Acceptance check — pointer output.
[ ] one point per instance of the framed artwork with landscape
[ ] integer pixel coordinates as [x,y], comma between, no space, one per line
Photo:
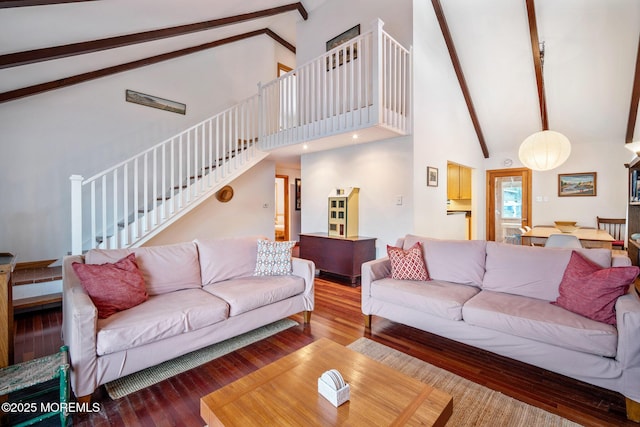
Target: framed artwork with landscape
[577,184]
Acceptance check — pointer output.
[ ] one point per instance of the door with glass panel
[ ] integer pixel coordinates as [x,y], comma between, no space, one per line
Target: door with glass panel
[508,204]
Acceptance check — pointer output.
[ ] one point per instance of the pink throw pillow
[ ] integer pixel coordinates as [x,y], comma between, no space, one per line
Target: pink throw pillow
[408,264]
[592,291]
[113,287]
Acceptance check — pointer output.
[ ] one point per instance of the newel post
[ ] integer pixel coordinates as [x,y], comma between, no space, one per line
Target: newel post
[377,69]
[76,214]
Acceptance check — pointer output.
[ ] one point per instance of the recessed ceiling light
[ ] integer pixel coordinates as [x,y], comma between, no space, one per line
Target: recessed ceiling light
[305,146]
[355,136]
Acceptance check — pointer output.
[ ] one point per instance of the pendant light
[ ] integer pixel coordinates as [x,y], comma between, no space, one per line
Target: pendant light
[547,149]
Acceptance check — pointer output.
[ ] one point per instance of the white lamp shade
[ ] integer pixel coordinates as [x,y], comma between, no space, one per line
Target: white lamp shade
[544,150]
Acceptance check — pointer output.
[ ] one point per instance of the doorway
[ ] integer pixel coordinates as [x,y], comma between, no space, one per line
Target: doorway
[282,208]
[508,204]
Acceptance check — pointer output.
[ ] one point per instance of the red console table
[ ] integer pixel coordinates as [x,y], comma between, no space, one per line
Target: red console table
[338,255]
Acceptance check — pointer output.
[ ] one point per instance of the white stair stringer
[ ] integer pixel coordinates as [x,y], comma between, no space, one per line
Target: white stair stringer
[147,225]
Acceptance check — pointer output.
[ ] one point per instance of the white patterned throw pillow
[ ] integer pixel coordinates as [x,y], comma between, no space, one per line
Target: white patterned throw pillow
[274,258]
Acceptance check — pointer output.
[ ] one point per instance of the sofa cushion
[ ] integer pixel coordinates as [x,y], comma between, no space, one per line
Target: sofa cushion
[457,261]
[408,264]
[165,268]
[248,293]
[517,269]
[162,316]
[538,320]
[113,287]
[592,291]
[227,258]
[438,298]
[274,258]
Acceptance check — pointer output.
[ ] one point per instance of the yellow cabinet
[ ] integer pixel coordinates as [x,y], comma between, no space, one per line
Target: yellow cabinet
[458,182]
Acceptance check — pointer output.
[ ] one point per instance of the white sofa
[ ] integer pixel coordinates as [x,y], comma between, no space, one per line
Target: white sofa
[200,293]
[497,297]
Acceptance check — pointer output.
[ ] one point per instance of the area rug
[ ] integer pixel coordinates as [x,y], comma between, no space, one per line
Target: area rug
[473,404]
[147,377]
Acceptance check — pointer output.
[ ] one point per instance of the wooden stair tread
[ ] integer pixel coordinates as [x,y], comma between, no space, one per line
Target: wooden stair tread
[28,276]
[41,300]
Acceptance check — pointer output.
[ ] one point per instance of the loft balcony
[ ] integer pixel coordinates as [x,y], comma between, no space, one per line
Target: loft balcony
[362,86]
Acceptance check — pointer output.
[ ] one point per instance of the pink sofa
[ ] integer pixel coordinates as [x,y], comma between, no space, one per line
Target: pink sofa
[200,293]
[497,297]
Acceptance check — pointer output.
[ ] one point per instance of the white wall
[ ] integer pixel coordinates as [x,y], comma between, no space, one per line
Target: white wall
[243,215]
[382,171]
[86,128]
[442,132]
[611,192]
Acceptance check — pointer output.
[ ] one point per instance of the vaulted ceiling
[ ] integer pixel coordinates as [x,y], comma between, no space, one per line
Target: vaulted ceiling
[590,56]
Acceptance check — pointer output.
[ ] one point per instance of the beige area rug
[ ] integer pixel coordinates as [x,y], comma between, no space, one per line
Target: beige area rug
[147,377]
[473,404]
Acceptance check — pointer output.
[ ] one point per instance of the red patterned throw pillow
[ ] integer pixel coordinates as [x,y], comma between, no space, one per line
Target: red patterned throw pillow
[113,287]
[591,291]
[407,264]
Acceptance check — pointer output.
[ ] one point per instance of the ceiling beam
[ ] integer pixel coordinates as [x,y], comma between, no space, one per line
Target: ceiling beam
[437,7]
[92,75]
[280,40]
[537,62]
[635,97]
[73,49]
[6,4]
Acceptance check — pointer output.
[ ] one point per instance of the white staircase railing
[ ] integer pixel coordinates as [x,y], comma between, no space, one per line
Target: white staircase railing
[130,202]
[364,82]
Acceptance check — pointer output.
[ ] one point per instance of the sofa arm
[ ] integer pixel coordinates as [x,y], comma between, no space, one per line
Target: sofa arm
[628,354]
[620,260]
[307,270]
[372,271]
[79,330]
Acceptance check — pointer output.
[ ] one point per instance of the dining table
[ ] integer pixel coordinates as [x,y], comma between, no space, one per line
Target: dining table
[589,237]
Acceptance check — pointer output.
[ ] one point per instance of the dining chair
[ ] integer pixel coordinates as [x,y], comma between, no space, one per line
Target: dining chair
[562,241]
[615,227]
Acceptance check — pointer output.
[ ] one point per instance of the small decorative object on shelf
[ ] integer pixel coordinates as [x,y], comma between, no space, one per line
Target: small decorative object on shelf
[332,387]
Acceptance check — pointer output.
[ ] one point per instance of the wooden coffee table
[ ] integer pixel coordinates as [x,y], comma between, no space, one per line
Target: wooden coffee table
[286,393]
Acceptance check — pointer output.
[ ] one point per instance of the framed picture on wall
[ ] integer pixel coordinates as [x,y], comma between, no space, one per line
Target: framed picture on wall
[154,102]
[432,176]
[337,41]
[298,188]
[577,184]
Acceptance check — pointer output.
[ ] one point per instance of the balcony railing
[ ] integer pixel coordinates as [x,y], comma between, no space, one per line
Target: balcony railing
[364,82]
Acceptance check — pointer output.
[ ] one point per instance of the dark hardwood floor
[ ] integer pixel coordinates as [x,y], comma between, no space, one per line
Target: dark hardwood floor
[337,316]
